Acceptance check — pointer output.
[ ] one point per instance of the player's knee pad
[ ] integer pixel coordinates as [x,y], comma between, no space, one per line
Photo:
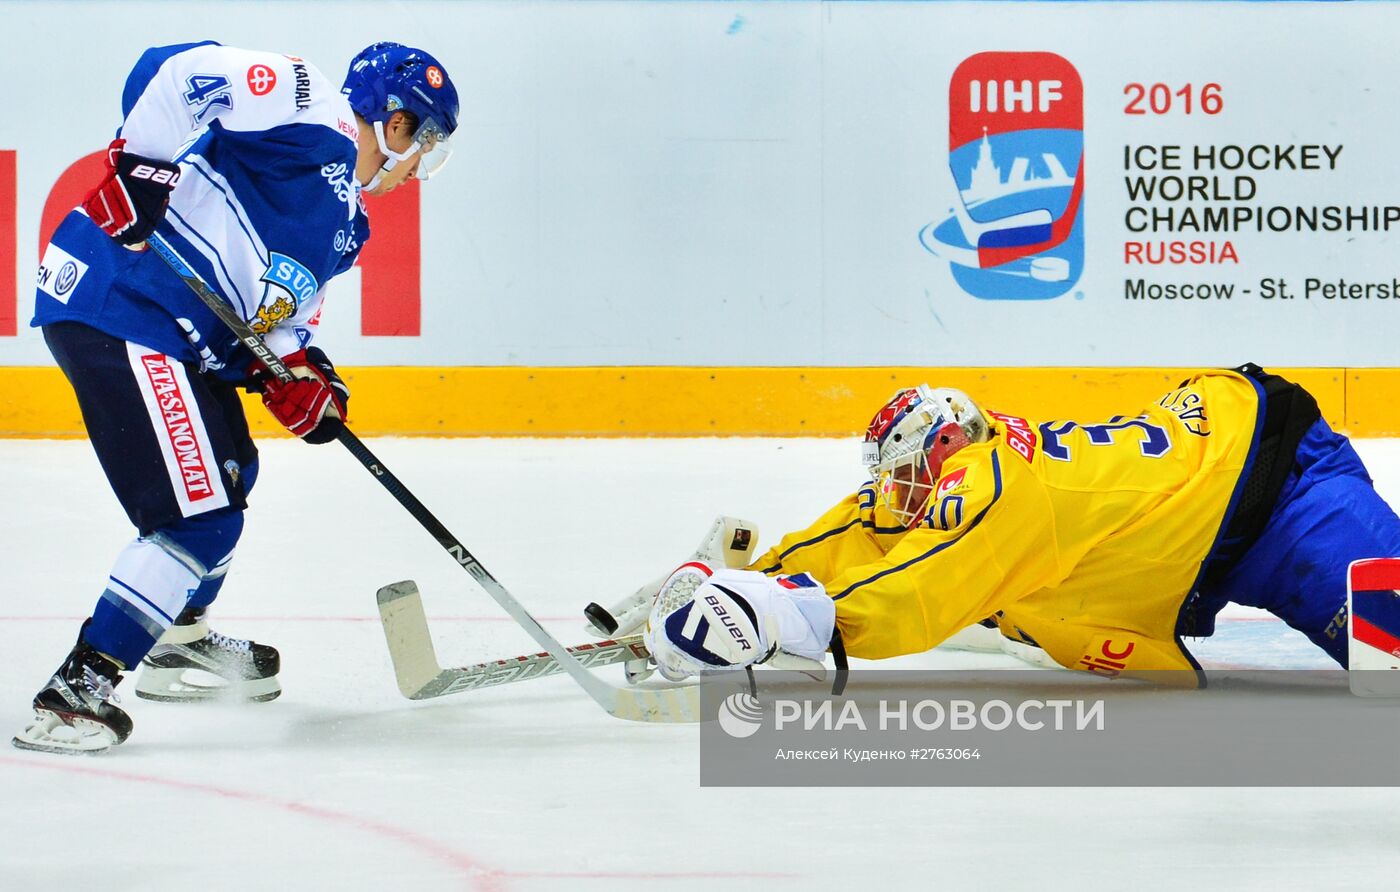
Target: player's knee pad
[207,539]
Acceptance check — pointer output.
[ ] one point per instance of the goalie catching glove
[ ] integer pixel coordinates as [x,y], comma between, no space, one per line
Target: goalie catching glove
[313,405]
[706,618]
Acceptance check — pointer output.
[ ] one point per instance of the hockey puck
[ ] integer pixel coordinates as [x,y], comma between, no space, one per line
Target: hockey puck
[600,618]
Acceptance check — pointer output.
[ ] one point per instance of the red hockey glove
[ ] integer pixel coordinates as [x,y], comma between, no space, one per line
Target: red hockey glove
[313,405]
[131,200]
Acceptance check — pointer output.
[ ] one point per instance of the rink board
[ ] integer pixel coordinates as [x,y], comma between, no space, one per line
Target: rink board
[687,402]
[760,218]
[778,184]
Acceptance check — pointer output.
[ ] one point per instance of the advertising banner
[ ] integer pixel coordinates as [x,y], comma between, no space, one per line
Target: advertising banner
[807,184]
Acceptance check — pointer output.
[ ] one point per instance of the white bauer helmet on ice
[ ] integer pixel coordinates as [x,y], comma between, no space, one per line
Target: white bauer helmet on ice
[909,440]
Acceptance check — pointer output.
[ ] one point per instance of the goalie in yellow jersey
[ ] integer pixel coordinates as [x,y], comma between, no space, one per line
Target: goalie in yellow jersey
[1104,542]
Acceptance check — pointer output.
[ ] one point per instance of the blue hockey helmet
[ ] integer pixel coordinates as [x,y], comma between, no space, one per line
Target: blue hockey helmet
[389,77]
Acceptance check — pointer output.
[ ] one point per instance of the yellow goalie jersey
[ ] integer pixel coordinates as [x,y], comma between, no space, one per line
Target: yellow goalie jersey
[1087,537]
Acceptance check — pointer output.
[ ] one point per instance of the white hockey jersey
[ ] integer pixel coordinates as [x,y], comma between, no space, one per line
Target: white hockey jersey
[267,209]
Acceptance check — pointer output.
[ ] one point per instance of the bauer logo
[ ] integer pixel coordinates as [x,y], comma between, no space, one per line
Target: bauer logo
[1015,229]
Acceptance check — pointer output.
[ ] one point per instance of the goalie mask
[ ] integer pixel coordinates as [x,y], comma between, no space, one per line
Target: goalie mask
[909,440]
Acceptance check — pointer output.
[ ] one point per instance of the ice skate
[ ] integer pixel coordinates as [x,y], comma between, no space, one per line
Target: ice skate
[191,663]
[76,712]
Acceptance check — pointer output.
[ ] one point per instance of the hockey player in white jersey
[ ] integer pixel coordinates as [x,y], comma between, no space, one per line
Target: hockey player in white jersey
[250,165]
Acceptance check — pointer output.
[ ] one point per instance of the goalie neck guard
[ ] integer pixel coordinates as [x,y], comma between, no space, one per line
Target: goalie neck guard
[911,437]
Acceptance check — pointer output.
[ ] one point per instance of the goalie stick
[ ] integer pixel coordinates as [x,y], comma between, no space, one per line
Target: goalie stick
[641,704]
[420,677]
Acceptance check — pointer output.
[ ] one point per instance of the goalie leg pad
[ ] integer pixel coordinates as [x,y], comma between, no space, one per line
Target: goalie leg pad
[1373,627]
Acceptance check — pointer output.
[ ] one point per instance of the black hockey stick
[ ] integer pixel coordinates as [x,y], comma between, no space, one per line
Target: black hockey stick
[638,704]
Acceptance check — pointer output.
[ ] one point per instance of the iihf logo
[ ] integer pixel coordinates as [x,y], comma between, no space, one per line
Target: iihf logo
[1016,154]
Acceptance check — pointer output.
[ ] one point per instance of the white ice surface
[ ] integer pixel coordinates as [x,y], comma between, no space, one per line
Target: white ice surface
[342,784]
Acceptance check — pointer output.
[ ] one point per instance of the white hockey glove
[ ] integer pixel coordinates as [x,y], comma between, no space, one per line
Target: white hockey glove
[705,618]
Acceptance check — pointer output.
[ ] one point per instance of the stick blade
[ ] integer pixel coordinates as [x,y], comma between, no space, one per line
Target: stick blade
[678,705]
[421,677]
[410,643]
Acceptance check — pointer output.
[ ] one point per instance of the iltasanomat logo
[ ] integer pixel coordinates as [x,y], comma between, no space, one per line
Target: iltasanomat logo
[1015,230]
[741,715]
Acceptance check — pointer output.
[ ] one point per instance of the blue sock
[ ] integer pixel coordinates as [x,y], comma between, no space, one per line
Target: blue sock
[155,577]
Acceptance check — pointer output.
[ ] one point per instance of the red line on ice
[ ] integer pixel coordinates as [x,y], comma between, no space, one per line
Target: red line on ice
[478,876]
[471,870]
